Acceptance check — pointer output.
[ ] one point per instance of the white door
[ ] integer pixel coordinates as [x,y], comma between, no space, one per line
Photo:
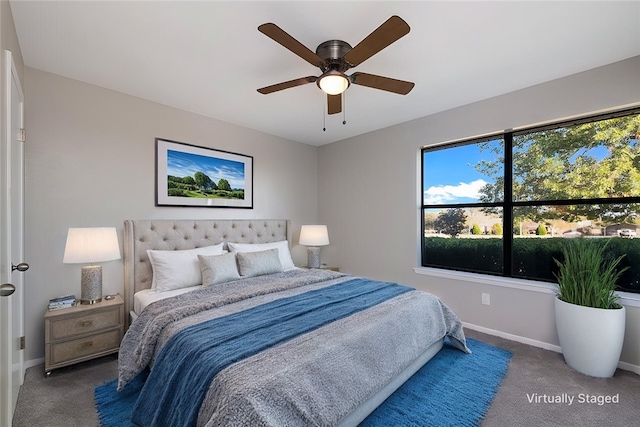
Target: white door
[12,266]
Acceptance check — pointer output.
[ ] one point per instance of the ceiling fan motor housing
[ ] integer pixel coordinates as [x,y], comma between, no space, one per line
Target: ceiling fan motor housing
[332,52]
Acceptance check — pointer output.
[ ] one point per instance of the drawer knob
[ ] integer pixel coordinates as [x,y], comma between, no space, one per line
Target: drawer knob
[86,323]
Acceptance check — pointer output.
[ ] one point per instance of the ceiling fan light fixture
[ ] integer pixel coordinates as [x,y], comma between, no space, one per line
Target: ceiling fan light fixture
[333,82]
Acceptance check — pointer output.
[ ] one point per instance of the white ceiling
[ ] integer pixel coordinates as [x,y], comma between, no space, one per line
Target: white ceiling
[208,57]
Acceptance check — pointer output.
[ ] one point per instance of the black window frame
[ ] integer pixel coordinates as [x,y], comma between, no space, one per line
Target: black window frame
[508,204]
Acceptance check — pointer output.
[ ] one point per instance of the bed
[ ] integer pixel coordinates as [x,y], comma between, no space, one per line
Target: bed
[266,344]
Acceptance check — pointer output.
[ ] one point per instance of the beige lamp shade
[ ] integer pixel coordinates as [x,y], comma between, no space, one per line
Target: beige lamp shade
[89,245]
[314,235]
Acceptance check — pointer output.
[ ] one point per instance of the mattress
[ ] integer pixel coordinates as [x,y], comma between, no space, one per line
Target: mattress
[145,297]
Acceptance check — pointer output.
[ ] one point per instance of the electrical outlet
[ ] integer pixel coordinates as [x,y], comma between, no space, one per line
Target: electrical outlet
[486,299]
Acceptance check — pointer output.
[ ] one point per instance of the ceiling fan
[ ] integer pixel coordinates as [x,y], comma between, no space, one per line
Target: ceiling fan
[335,57]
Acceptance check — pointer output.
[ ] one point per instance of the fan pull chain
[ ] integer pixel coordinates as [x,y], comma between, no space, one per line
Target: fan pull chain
[325,105]
[344,109]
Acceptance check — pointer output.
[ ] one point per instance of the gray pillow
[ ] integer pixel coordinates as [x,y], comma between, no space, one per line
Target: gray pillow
[218,268]
[258,263]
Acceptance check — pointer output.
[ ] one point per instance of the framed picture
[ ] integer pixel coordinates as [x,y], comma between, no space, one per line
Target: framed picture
[187,175]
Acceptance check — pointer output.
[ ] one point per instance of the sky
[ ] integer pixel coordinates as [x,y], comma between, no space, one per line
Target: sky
[450,175]
[183,164]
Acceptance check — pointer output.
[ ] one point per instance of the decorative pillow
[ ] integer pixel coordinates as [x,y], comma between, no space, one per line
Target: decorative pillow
[218,268]
[283,251]
[258,263]
[178,269]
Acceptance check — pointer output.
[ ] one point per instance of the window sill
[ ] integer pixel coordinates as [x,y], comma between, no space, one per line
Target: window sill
[626,298]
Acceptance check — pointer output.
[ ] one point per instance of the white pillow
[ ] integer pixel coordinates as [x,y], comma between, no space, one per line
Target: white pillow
[178,269]
[258,263]
[283,251]
[218,268]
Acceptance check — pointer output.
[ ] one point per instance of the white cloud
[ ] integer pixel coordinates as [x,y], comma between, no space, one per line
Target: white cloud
[450,193]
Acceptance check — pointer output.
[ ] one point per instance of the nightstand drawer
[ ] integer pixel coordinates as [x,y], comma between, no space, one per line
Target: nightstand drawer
[83,347]
[66,327]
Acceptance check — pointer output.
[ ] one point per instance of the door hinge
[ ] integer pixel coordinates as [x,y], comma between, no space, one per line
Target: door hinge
[22,343]
[23,135]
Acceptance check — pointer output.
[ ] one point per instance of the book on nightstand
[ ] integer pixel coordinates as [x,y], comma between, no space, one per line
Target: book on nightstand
[66,301]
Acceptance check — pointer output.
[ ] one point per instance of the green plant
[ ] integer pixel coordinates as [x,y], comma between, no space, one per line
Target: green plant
[586,276]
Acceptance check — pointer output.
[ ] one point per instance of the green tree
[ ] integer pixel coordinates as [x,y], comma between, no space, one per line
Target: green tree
[476,230]
[223,184]
[496,229]
[541,230]
[451,222]
[593,160]
[203,181]
[189,180]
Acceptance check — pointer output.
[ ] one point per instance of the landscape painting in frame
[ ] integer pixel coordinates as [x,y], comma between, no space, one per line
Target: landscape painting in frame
[187,175]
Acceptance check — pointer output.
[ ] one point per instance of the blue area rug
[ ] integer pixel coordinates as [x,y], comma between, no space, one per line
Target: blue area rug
[453,389]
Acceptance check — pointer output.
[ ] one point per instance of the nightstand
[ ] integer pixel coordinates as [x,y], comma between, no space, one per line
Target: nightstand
[83,332]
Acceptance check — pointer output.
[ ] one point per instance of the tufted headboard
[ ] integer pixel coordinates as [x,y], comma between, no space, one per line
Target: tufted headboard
[140,235]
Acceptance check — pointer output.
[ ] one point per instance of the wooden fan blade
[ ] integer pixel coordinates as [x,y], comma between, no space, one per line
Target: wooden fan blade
[280,36]
[383,83]
[334,104]
[390,31]
[286,85]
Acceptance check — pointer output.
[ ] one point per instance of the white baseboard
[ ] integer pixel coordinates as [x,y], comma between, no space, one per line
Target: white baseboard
[535,343]
[629,367]
[34,362]
[511,337]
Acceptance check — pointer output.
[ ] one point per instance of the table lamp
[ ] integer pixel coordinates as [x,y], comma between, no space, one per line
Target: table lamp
[314,236]
[91,245]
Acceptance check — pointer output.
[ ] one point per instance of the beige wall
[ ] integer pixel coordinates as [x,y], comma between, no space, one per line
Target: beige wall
[369,197]
[90,162]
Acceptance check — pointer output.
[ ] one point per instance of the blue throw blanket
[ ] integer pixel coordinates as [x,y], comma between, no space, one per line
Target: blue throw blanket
[187,363]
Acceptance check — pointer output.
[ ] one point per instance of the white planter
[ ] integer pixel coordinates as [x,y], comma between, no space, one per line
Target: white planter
[591,338]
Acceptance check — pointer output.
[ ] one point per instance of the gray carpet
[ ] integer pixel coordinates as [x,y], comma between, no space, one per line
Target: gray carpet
[66,398]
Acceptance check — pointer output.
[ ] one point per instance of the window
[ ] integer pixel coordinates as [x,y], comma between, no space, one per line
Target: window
[504,204]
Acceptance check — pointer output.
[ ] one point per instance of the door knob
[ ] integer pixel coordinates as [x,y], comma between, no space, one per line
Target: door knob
[6,289]
[23,266]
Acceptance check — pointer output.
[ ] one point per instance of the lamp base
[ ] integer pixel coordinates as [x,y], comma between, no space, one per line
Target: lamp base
[91,284]
[313,257]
